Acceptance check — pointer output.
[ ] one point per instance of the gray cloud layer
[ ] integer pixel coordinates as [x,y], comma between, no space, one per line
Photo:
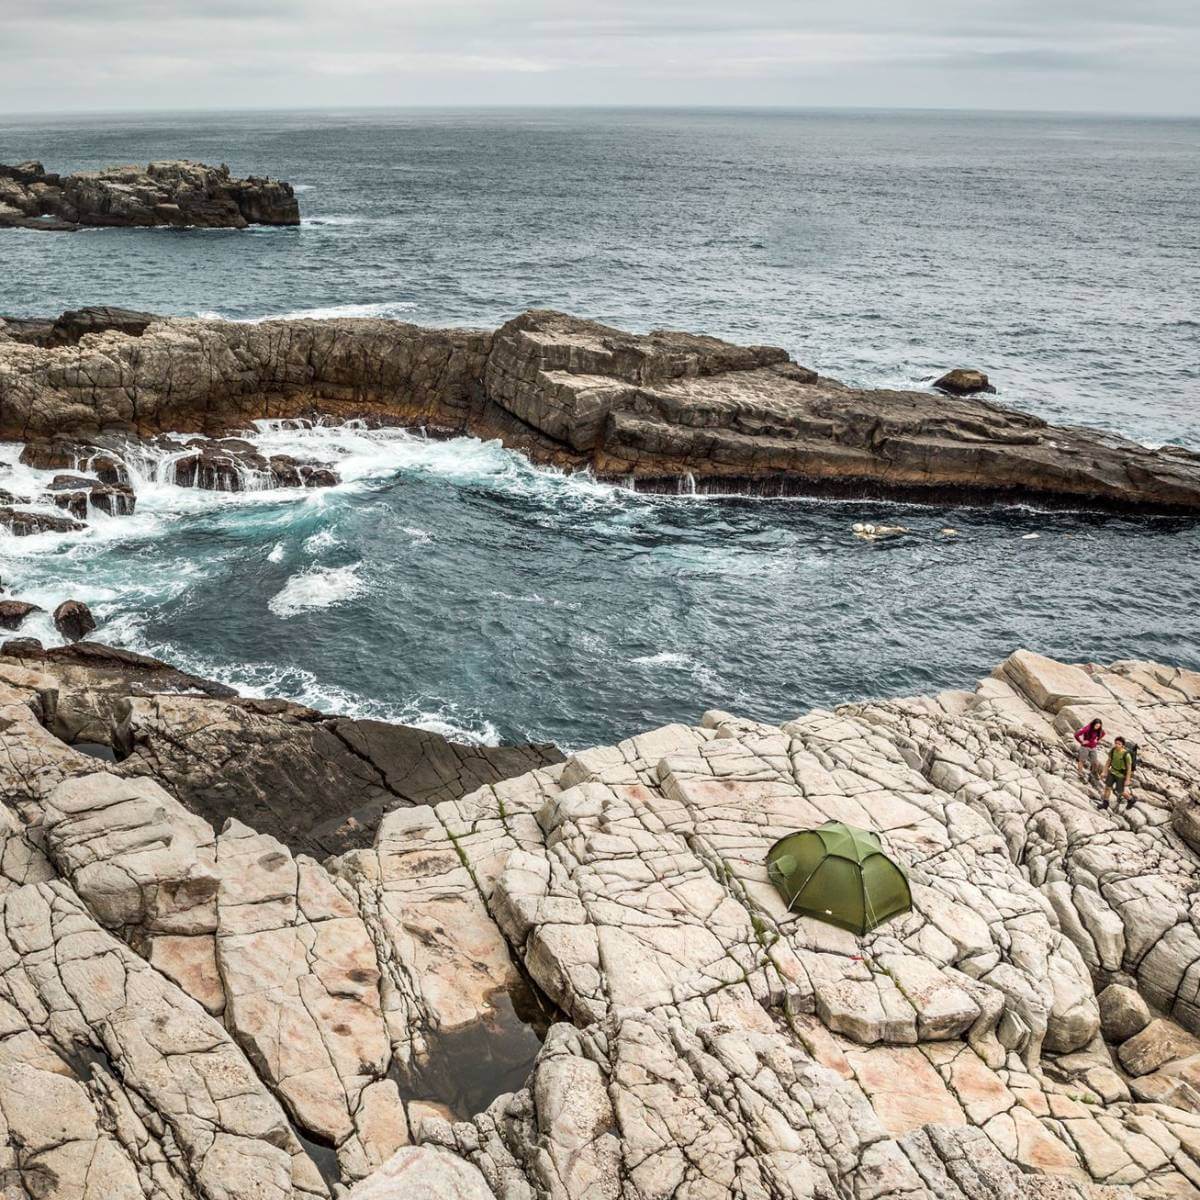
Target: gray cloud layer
[1132,55]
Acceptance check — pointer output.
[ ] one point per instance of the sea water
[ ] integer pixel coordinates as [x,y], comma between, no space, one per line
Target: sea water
[452,585]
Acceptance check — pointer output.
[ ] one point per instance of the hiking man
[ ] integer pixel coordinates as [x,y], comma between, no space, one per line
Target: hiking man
[1120,770]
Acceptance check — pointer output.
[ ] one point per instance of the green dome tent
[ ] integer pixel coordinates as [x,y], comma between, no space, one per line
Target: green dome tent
[839,874]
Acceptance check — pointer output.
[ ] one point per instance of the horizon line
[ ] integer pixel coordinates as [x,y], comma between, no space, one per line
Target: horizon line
[12,117]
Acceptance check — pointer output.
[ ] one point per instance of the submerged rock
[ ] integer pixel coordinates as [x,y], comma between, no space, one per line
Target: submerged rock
[663,411]
[163,193]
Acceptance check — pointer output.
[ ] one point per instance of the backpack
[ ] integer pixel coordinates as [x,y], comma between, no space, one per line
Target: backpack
[1132,748]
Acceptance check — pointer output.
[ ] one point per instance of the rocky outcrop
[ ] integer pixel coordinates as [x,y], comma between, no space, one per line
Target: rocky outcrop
[214,1015]
[666,411]
[163,193]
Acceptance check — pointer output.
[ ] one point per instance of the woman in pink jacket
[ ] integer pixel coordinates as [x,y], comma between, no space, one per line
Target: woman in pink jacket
[1087,755]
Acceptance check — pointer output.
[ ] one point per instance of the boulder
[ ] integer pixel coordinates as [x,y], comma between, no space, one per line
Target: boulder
[1159,1042]
[13,612]
[1122,1013]
[963,381]
[74,620]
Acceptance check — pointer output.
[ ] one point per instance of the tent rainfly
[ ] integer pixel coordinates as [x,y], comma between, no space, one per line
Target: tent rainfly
[839,874]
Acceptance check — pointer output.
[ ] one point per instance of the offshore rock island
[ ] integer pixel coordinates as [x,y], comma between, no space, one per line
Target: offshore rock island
[175,193]
[662,411]
[573,980]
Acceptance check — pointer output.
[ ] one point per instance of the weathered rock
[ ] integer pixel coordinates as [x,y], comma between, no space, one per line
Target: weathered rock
[654,410]
[24,524]
[13,612]
[721,1046]
[163,193]
[963,381]
[74,620]
[1122,1013]
[93,683]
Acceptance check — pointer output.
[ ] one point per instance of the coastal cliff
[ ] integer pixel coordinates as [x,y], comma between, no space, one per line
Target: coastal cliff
[578,982]
[661,411]
[176,193]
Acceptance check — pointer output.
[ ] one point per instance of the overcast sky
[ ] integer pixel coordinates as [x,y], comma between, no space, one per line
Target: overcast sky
[1088,55]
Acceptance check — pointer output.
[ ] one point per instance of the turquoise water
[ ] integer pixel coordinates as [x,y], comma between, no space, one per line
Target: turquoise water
[452,585]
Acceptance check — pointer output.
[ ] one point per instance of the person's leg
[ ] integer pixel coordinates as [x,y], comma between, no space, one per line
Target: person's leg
[1107,791]
[1081,755]
[1119,788]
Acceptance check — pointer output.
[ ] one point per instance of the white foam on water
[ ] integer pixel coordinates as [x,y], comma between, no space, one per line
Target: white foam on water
[390,309]
[269,680]
[276,554]
[667,658]
[318,542]
[318,587]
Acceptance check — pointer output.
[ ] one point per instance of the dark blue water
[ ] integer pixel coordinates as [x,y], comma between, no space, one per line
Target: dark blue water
[453,585]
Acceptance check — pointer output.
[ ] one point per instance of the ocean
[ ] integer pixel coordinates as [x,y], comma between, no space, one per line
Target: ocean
[450,584]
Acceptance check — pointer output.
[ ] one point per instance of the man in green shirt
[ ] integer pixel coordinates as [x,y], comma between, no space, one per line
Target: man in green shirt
[1120,771]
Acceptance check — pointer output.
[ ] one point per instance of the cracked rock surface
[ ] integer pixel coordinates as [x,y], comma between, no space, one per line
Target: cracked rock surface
[217,1014]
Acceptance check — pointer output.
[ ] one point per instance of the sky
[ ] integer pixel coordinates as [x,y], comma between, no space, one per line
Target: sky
[1136,56]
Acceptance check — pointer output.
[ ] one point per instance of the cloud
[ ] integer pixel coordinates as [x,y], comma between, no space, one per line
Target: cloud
[1096,54]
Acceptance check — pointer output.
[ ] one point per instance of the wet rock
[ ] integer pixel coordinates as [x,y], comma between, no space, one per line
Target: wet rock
[25,524]
[76,492]
[963,381]
[234,465]
[163,193]
[13,612]
[288,472]
[18,647]
[74,620]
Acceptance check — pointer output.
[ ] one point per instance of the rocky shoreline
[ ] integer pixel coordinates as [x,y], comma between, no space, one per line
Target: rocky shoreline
[193,1005]
[663,411]
[176,193]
